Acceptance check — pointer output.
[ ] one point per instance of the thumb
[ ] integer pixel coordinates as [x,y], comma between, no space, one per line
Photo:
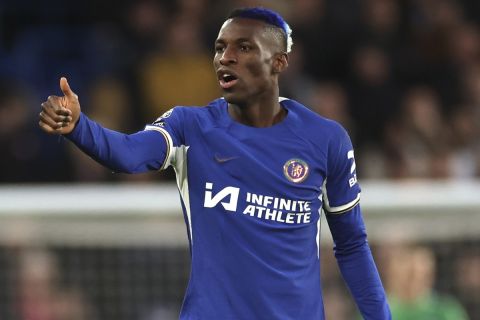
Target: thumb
[66,89]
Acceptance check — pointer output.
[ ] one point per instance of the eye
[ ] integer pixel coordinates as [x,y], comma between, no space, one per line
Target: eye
[219,48]
[244,48]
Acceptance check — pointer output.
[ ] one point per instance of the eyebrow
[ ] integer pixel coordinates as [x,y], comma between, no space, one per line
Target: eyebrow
[239,40]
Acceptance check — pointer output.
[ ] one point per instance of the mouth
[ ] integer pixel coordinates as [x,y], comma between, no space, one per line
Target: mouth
[226,79]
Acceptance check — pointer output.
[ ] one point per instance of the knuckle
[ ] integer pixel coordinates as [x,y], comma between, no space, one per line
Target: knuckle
[45,106]
[43,126]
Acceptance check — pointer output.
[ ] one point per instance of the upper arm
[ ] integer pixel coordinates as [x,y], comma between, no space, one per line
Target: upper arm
[170,125]
[341,191]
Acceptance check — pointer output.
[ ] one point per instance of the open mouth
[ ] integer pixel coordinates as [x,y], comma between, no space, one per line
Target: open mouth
[227,80]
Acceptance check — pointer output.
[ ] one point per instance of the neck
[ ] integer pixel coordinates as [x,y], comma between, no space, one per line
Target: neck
[261,113]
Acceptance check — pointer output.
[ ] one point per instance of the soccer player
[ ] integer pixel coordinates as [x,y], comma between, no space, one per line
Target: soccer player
[253,171]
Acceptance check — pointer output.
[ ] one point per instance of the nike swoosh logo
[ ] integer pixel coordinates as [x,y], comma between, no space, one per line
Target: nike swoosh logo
[221,159]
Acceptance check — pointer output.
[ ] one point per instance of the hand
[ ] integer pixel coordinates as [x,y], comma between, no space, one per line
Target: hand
[60,114]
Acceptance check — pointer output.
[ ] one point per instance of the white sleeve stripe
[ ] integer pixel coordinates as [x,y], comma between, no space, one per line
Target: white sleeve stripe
[168,139]
[342,208]
[181,171]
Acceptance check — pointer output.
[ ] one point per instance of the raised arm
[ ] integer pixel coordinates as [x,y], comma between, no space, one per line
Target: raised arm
[129,153]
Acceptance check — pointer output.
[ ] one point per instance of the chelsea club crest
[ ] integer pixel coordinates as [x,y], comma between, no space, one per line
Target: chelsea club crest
[295,170]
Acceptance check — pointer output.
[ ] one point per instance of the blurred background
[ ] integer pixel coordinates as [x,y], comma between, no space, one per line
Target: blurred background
[403,76]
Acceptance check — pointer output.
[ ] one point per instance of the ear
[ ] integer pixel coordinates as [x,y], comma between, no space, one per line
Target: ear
[280,62]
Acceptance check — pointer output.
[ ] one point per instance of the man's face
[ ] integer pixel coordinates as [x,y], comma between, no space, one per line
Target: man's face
[245,51]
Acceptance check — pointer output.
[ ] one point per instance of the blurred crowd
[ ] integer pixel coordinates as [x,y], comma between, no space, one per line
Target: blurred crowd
[402,76]
[423,281]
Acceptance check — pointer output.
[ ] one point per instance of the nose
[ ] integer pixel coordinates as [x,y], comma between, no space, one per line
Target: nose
[228,57]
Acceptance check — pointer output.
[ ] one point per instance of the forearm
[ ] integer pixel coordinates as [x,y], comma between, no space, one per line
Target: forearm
[361,275]
[135,153]
[357,265]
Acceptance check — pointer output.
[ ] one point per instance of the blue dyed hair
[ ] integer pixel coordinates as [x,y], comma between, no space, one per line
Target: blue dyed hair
[268,16]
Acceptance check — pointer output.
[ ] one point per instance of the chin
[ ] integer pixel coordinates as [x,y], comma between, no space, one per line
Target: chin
[232,98]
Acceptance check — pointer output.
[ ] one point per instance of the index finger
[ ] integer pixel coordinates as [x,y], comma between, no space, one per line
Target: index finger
[53,108]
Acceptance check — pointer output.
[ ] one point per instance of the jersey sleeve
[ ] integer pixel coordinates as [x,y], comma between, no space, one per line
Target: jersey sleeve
[128,153]
[170,125]
[341,191]
[357,265]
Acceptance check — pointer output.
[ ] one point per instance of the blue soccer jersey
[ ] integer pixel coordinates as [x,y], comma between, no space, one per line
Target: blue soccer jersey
[252,199]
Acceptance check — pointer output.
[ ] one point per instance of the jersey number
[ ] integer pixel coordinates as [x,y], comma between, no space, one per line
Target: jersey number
[353,180]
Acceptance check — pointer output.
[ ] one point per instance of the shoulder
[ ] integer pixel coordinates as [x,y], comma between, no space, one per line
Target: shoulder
[315,126]
[186,113]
